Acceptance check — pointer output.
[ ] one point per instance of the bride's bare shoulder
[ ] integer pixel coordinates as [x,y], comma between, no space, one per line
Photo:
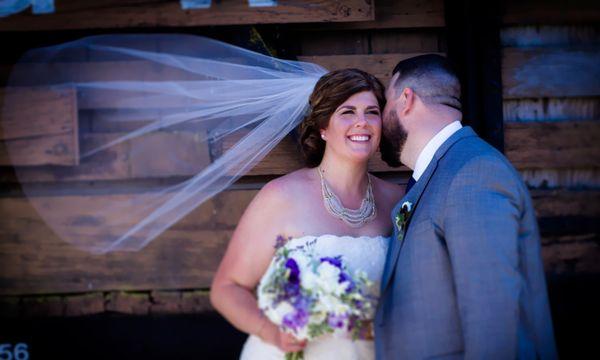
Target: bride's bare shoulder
[287,187]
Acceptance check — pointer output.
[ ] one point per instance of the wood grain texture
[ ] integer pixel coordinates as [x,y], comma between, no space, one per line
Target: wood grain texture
[33,260]
[393,14]
[395,41]
[550,36]
[572,258]
[545,12]
[137,158]
[561,202]
[100,14]
[380,65]
[569,178]
[553,144]
[535,73]
[551,109]
[39,126]
[98,70]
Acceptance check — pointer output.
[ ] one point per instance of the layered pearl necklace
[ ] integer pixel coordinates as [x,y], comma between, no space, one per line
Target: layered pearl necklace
[353,218]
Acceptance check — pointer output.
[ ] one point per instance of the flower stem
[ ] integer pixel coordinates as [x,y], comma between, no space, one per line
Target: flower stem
[298,355]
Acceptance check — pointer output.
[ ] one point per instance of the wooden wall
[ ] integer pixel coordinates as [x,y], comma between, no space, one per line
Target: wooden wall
[552,133]
[551,109]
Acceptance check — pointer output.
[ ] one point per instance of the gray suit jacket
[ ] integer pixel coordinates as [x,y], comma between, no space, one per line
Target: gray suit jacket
[467,280]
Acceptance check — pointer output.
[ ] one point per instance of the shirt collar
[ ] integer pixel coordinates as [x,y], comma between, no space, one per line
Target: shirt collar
[429,150]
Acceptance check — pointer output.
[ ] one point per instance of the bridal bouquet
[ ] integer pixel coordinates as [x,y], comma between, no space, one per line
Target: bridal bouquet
[308,296]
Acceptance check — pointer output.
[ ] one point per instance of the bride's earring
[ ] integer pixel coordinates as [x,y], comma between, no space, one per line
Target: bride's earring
[323,137]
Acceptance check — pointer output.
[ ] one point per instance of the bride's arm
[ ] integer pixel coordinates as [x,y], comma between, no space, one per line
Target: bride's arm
[247,257]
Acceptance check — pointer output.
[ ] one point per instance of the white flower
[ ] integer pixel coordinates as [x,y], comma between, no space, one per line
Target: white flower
[308,280]
[331,304]
[407,205]
[328,279]
[282,309]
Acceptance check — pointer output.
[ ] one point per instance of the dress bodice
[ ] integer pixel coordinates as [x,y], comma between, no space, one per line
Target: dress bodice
[365,253]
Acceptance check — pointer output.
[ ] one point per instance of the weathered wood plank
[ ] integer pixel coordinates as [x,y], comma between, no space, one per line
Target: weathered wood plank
[53,149]
[38,126]
[551,109]
[395,41]
[545,12]
[573,178]
[567,215]
[334,43]
[556,203]
[546,36]
[535,73]
[29,112]
[391,14]
[99,14]
[577,257]
[33,260]
[100,70]
[380,65]
[553,144]
[188,153]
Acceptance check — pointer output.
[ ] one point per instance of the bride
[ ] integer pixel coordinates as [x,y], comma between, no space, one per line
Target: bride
[333,200]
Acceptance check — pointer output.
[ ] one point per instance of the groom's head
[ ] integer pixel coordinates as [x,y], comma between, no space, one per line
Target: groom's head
[423,94]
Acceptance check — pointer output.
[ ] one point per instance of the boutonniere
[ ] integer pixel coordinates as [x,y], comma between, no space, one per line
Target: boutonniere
[402,218]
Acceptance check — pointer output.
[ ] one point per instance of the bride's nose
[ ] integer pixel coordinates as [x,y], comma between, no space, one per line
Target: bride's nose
[361,121]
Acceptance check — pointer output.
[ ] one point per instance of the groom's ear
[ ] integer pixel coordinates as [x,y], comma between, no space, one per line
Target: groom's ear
[407,98]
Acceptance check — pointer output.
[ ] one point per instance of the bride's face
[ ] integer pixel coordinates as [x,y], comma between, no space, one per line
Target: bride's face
[354,129]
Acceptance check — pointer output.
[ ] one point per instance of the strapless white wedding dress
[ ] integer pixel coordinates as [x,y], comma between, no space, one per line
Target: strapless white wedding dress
[359,253]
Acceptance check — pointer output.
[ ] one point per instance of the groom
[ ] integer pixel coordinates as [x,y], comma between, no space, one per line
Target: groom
[464,275]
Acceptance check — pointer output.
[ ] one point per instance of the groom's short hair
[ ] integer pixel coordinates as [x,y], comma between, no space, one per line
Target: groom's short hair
[431,77]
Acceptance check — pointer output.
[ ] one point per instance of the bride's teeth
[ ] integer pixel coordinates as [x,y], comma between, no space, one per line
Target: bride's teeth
[359,138]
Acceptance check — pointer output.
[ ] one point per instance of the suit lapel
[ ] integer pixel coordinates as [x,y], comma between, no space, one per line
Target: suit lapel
[414,196]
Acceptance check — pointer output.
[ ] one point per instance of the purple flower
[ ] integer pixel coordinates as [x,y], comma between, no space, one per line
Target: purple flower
[280,241]
[358,304]
[296,320]
[335,261]
[292,287]
[294,277]
[345,277]
[291,290]
[336,321]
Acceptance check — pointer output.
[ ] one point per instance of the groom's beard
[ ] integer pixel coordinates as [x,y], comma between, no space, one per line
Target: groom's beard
[392,140]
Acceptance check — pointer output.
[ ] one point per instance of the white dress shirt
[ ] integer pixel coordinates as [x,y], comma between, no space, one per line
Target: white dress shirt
[429,150]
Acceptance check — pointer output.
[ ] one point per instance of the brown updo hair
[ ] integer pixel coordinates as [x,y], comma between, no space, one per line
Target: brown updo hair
[331,91]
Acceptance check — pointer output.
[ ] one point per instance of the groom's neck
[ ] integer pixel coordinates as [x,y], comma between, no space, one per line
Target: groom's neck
[421,133]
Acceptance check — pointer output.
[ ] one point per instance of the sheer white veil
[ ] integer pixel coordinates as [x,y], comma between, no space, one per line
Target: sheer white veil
[162,84]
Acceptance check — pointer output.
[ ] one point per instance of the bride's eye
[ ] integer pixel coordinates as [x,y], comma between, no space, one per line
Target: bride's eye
[347,112]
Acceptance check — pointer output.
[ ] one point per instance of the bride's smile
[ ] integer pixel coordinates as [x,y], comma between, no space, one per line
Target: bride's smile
[355,127]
